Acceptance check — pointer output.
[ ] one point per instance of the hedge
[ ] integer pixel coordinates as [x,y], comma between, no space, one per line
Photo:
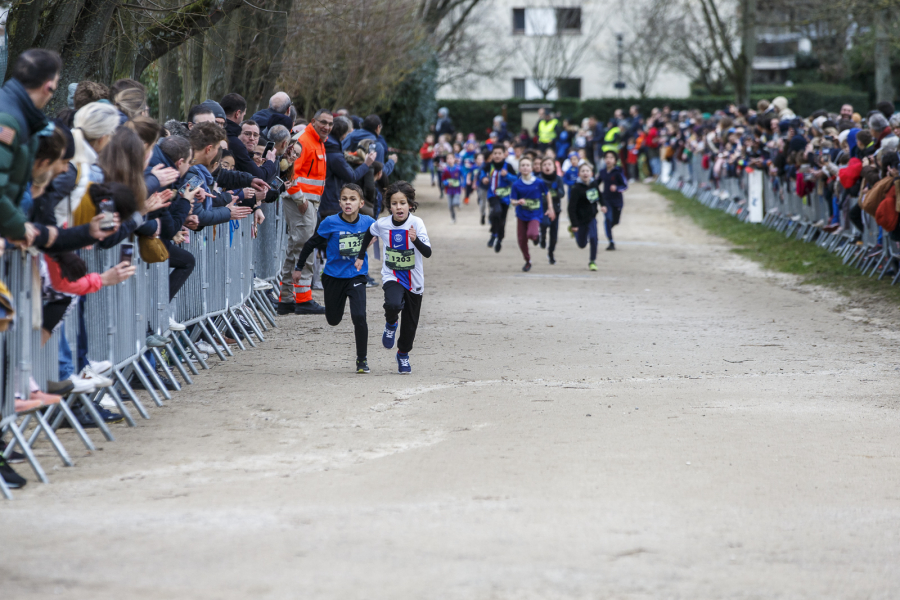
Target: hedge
[476,116]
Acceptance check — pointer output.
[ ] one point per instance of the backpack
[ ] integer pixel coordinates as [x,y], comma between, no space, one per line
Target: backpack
[872,200]
[886,216]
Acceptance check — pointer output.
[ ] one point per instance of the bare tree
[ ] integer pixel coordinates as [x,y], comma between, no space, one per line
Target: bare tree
[347,53]
[469,46]
[647,42]
[551,48]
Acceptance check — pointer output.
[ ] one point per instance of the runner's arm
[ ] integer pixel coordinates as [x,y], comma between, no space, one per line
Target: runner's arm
[365,245]
[423,248]
[313,243]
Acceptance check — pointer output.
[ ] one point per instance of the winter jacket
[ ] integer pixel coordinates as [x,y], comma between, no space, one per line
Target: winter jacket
[581,210]
[351,143]
[268,118]
[338,172]
[242,160]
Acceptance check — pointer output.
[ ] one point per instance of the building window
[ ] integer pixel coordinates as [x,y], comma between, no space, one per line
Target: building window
[568,20]
[518,88]
[568,88]
[518,20]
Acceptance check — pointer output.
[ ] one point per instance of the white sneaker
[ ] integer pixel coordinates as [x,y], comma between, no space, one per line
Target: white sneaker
[261,284]
[83,386]
[175,325]
[98,380]
[101,367]
[206,348]
[107,402]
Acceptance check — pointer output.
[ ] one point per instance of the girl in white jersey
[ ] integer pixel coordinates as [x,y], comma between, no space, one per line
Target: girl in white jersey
[406,244]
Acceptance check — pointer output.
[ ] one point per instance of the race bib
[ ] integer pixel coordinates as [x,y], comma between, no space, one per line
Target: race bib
[593,195]
[502,192]
[400,260]
[532,203]
[452,183]
[350,243]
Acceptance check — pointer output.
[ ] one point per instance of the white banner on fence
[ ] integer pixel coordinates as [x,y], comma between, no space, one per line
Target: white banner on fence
[755,196]
[666,172]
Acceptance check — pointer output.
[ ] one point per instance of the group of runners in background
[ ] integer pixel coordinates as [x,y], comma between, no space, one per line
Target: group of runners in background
[534,181]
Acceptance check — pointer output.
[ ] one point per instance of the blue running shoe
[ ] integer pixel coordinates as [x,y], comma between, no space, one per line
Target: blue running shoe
[403,366]
[390,332]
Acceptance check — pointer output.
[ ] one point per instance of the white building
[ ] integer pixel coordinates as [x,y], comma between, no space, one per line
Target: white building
[566,45]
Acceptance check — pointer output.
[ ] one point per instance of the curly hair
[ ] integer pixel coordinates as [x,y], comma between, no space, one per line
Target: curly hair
[401,187]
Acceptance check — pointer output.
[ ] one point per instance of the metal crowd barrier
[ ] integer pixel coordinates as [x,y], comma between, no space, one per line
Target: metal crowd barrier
[803,217]
[218,300]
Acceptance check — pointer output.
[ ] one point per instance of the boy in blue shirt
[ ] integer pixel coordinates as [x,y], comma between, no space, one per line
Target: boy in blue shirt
[498,176]
[467,159]
[532,199]
[614,183]
[451,183]
[341,236]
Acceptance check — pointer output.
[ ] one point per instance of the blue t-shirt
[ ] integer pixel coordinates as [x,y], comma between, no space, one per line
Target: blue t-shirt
[344,243]
[535,194]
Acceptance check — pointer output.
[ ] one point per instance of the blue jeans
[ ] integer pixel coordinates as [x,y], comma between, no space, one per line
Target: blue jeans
[655,165]
[66,367]
[82,337]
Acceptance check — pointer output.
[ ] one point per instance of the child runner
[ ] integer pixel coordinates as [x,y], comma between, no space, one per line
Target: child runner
[477,178]
[452,184]
[499,176]
[584,198]
[406,244]
[555,184]
[533,202]
[467,158]
[614,183]
[346,265]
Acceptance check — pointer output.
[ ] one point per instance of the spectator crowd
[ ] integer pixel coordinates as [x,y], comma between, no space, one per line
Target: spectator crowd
[101,173]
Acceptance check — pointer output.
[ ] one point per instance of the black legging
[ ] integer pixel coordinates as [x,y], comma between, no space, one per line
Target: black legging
[498,216]
[856,218]
[337,290]
[553,227]
[182,264]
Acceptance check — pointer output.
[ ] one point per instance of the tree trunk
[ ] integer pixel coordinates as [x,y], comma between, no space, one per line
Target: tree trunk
[169,88]
[743,72]
[192,72]
[884,87]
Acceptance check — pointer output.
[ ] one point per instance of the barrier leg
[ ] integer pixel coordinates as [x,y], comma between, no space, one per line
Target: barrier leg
[152,380]
[236,314]
[51,435]
[218,335]
[65,412]
[266,308]
[176,353]
[95,416]
[26,450]
[165,367]
[4,489]
[252,303]
[224,318]
[253,325]
[185,358]
[123,381]
[211,340]
[121,406]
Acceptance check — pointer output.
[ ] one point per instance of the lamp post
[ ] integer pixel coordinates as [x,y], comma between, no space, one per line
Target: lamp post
[620,85]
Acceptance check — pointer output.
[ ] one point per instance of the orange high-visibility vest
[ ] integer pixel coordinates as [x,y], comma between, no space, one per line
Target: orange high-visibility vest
[309,169]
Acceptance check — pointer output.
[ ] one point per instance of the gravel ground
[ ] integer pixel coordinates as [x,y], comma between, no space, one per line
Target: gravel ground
[679,424]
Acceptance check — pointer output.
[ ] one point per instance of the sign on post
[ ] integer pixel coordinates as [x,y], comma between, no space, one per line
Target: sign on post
[755,196]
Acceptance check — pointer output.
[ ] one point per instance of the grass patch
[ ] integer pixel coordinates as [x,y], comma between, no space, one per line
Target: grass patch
[774,251]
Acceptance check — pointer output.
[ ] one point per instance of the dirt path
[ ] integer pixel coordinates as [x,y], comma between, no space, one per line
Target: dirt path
[676,425]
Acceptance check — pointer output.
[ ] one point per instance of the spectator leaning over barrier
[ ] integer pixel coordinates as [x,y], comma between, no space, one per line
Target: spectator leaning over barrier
[370,130]
[235,107]
[35,75]
[278,113]
[301,205]
[206,206]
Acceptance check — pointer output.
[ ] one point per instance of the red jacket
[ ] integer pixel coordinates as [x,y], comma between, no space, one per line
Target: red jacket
[849,175]
[426,151]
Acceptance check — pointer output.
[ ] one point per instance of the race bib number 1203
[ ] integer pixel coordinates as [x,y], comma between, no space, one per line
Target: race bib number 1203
[400,260]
